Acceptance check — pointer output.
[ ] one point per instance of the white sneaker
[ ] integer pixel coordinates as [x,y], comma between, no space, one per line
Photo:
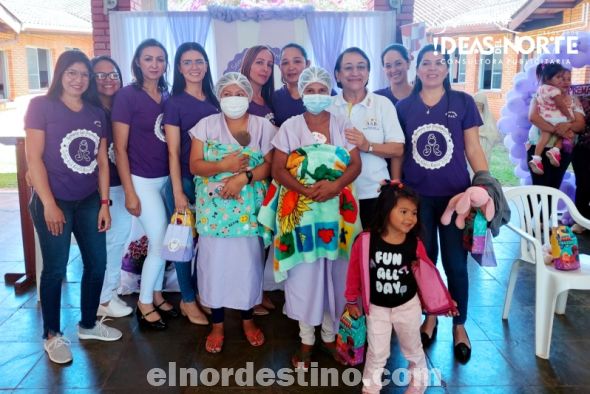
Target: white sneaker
[100,331]
[117,299]
[58,349]
[114,309]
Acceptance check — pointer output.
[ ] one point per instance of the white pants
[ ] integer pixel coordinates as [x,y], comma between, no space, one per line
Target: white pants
[154,222]
[406,320]
[307,332]
[117,241]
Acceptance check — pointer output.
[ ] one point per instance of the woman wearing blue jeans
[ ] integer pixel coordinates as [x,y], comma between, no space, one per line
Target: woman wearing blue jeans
[67,160]
[192,100]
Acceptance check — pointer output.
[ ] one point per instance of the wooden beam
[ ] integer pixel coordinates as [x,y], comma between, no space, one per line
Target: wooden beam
[522,14]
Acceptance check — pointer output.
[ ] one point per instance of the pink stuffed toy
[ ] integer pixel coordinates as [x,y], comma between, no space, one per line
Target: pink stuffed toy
[474,196]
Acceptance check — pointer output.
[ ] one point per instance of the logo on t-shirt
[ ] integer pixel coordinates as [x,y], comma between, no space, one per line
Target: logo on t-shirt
[111,153]
[158,128]
[371,124]
[78,150]
[389,272]
[432,146]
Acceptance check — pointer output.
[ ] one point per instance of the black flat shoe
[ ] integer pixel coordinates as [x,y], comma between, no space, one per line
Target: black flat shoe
[462,352]
[170,313]
[152,325]
[427,340]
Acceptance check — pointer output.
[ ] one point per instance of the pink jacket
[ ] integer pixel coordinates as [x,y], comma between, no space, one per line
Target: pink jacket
[357,277]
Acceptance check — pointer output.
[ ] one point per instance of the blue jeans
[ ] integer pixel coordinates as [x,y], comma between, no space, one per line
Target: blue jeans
[81,220]
[453,254]
[186,282]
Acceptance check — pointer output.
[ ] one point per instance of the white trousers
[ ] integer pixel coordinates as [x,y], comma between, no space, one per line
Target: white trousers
[307,332]
[117,241]
[406,320]
[154,222]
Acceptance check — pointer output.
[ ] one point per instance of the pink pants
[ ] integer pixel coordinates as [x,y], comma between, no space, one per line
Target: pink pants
[406,320]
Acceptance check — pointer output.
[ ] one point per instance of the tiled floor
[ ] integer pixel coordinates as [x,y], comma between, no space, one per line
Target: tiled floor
[503,358]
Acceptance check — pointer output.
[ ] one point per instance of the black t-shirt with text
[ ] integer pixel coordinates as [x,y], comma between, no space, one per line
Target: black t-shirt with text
[390,273]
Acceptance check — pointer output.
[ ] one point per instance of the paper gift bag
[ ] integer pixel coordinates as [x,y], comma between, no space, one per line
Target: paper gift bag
[488,257]
[351,338]
[178,241]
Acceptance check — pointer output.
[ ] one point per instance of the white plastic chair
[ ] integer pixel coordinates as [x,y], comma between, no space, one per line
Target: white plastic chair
[533,206]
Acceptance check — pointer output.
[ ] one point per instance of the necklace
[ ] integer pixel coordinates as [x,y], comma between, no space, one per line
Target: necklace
[428,108]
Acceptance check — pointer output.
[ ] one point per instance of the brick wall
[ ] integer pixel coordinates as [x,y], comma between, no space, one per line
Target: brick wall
[404,16]
[100,23]
[14,47]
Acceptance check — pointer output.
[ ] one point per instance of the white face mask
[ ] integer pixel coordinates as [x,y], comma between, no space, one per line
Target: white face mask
[316,103]
[234,107]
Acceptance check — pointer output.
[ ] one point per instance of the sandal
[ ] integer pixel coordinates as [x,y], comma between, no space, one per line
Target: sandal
[255,337]
[259,310]
[301,359]
[214,343]
[172,312]
[330,349]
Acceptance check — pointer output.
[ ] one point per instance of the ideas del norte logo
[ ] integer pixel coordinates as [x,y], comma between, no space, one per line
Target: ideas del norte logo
[488,45]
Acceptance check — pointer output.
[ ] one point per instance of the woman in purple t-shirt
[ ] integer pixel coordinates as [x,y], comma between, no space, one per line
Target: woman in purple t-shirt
[258,66]
[441,130]
[396,63]
[68,167]
[108,81]
[192,100]
[142,163]
[286,101]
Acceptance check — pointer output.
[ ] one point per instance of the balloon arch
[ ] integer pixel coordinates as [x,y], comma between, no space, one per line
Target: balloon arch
[514,123]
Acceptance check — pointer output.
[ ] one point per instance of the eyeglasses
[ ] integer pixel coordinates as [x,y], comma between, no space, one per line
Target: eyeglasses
[73,74]
[359,67]
[198,62]
[102,76]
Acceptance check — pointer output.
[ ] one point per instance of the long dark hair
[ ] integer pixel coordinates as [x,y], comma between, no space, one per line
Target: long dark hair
[399,48]
[546,71]
[97,59]
[179,83]
[249,57]
[64,61]
[338,64]
[136,70]
[423,51]
[390,194]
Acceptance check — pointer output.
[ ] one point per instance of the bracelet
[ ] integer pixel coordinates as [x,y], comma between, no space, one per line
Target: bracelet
[106,202]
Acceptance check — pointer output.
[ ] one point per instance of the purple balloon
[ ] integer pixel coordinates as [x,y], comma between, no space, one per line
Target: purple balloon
[520,135]
[507,124]
[518,151]
[519,172]
[581,59]
[508,141]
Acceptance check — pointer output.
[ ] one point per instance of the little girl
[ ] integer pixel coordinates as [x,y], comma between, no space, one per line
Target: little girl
[390,295]
[554,106]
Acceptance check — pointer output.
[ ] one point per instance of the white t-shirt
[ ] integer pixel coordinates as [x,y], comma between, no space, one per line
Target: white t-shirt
[376,118]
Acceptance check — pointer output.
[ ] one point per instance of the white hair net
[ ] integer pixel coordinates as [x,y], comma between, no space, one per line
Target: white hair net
[233,78]
[314,74]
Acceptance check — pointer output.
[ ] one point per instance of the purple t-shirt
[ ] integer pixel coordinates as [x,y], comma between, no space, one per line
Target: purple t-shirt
[434,159]
[71,145]
[386,92]
[185,111]
[114,174]
[264,111]
[285,105]
[146,147]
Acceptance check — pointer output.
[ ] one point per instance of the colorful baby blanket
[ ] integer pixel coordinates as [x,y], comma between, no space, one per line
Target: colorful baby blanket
[304,230]
[228,218]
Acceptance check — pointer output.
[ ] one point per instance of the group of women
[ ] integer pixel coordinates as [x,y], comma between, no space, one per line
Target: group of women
[226,136]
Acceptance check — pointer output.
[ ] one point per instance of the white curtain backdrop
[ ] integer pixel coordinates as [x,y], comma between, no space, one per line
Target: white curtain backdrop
[370,31]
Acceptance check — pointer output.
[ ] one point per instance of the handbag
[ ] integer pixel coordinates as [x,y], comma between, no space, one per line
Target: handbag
[351,338]
[434,295]
[487,258]
[178,241]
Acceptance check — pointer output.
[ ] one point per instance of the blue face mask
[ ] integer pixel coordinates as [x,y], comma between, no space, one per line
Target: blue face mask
[316,103]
